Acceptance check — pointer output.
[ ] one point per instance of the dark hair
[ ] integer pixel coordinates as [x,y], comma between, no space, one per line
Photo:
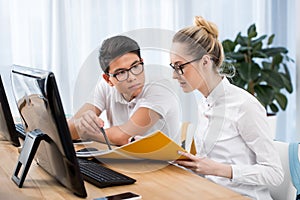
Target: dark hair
[114,47]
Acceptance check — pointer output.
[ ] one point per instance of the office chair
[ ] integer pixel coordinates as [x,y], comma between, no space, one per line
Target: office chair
[286,190]
[187,137]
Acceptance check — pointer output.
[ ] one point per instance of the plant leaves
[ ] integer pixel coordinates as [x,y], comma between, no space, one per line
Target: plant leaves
[237,36]
[288,59]
[258,40]
[263,71]
[243,41]
[287,82]
[274,108]
[249,71]
[264,93]
[277,59]
[259,54]
[238,81]
[228,45]
[252,31]
[266,65]
[235,56]
[272,78]
[257,46]
[286,70]
[243,49]
[281,100]
[274,51]
[270,39]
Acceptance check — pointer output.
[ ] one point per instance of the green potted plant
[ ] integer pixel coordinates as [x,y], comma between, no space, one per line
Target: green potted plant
[260,68]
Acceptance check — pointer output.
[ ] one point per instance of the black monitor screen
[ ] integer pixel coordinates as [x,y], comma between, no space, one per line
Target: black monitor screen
[40,107]
[7,125]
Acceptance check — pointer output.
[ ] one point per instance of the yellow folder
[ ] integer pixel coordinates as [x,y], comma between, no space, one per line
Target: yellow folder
[156,146]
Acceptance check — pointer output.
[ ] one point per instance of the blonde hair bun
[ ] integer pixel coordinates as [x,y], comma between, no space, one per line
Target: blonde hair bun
[210,27]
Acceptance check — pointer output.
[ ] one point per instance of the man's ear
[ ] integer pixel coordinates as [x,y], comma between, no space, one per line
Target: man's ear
[106,78]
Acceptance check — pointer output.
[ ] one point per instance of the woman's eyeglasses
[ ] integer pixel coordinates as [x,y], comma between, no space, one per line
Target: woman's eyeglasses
[179,68]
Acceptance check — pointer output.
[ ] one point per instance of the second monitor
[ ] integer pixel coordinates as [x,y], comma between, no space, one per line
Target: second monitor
[7,125]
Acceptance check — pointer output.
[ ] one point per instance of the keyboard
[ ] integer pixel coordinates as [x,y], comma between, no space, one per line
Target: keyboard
[101,176]
[20,130]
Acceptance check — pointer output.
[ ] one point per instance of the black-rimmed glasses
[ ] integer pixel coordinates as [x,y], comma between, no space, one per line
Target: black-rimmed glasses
[123,74]
[179,68]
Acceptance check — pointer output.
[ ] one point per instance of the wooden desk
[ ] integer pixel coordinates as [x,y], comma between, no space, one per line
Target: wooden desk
[169,182]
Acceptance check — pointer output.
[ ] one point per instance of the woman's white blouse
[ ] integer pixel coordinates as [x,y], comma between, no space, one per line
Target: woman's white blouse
[233,129]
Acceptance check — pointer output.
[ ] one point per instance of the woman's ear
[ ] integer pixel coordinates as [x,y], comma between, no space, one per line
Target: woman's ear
[106,78]
[206,60]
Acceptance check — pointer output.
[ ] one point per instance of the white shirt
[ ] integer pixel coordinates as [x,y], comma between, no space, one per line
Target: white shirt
[155,95]
[233,129]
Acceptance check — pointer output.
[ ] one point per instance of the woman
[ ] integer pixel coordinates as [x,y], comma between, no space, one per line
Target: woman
[232,142]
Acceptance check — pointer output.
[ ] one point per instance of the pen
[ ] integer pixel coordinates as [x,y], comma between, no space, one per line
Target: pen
[132,139]
[105,137]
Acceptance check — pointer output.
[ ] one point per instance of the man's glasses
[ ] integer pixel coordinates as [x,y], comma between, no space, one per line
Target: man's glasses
[123,74]
[179,68]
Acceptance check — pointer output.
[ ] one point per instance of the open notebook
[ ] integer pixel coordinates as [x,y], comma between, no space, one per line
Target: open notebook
[156,146]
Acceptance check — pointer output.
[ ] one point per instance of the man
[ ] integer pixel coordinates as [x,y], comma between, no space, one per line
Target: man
[132,107]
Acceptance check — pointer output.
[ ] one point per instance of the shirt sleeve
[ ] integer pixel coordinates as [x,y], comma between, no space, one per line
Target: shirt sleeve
[98,96]
[159,97]
[253,128]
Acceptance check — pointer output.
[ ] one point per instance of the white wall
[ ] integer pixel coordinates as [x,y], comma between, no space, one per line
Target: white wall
[297,23]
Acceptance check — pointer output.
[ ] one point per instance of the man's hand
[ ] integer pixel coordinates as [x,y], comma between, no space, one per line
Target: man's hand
[88,126]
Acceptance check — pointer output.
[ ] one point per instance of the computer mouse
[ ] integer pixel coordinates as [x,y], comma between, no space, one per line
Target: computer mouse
[87,149]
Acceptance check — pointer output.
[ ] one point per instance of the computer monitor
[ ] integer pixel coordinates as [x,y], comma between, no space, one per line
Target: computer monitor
[41,109]
[7,125]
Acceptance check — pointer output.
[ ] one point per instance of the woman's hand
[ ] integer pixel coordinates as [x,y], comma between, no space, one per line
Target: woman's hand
[88,126]
[204,165]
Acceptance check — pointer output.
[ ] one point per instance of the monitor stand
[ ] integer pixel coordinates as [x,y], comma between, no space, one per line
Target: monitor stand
[30,146]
